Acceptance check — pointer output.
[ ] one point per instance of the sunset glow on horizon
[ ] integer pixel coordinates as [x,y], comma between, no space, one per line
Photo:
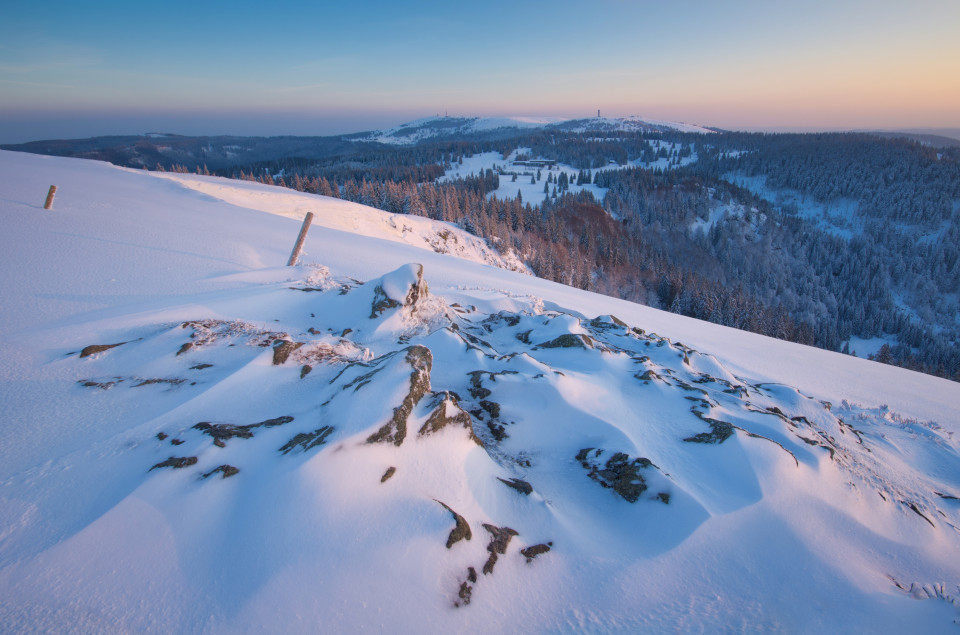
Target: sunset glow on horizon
[70,69]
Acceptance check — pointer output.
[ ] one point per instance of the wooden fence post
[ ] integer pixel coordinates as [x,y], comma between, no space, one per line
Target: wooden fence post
[50,195]
[295,254]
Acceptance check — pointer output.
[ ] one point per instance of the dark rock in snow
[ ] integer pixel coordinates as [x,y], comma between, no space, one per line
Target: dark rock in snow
[102,385]
[176,462]
[439,418]
[520,485]
[222,432]
[93,349]
[464,594]
[500,538]
[401,288]
[282,349]
[226,470]
[532,552]
[569,340]
[461,530]
[386,475]
[150,382]
[620,473]
[308,440]
[720,431]
[395,431]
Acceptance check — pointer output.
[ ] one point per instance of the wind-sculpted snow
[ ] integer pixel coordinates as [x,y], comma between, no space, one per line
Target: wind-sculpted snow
[556,437]
[197,439]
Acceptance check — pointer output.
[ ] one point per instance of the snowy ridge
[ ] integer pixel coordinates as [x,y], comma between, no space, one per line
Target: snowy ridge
[632,123]
[195,439]
[334,213]
[432,127]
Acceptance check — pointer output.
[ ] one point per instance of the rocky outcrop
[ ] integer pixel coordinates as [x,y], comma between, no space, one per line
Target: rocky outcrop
[394,431]
[461,530]
[401,288]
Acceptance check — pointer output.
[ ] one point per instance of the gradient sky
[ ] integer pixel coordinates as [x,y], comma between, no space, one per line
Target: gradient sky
[76,69]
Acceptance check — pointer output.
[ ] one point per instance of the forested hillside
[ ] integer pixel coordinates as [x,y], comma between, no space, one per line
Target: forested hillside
[823,239]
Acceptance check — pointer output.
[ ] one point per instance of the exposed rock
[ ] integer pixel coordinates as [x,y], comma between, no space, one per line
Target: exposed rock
[606,321]
[176,462]
[464,594]
[520,485]
[386,475]
[664,497]
[532,552]
[282,349]
[305,370]
[161,435]
[102,385]
[492,407]
[569,340]
[498,544]
[619,473]
[916,510]
[226,470]
[201,366]
[209,331]
[498,431]
[93,349]
[648,375]
[395,431]
[461,530]
[222,432]
[720,431]
[477,391]
[149,382]
[439,418]
[308,440]
[401,288]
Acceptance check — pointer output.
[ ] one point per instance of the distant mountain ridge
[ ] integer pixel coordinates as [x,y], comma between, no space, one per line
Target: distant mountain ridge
[414,132]
[226,151]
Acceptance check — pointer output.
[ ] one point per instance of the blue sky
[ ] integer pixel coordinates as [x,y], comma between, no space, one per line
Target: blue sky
[72,69]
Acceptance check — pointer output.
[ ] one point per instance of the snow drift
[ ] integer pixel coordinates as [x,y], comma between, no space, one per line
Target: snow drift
[385,437]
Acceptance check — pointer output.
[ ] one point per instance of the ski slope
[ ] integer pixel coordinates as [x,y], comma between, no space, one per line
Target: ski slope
[195,438]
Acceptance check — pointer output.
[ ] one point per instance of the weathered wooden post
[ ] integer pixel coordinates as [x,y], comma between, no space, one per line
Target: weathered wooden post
[295,254]
[50,195]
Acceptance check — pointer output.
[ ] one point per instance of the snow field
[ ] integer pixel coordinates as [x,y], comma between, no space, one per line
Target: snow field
[795,520]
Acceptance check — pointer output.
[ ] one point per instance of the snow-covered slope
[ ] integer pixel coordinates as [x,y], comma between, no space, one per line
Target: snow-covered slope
[432,127]
[194,439]
[334,213]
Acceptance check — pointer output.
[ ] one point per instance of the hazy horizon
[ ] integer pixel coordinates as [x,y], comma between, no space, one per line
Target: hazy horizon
[71,70]
[78,127]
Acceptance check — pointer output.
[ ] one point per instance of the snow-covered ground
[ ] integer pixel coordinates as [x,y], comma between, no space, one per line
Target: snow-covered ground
[532,190]
[194,438]
[839,218]
[862,347]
